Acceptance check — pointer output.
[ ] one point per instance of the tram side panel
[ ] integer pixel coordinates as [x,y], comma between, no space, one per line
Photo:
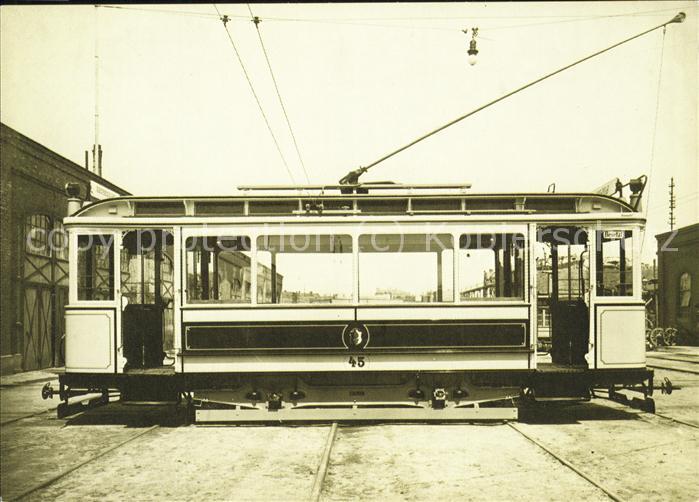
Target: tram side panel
[618,315]
[91,318]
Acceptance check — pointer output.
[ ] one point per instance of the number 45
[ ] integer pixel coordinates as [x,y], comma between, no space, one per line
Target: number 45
[356,363]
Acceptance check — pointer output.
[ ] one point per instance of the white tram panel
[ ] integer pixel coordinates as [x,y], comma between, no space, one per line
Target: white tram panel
[409,361]
[457,312]
[90,338]
[92,327]
[618,327]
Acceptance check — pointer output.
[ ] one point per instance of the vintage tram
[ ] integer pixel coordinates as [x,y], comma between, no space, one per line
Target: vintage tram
[355,302]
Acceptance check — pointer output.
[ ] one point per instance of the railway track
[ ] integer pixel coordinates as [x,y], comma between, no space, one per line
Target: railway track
[73,468]
[655,365]
[587,477]
[23,417]
[325,459]
[323,466]
[676,359]
[670,368]
[82,399]
[674,362]
[324,463]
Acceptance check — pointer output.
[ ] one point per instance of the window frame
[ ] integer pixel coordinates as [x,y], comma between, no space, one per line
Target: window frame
[355,229]
[224,233]
[526,286]
[253,231]
[634,258]
[410,231]
[73,235]
[684,310]
[276,234]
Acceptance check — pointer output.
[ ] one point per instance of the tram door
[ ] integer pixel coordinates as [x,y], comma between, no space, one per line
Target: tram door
[563,285]
[146,297]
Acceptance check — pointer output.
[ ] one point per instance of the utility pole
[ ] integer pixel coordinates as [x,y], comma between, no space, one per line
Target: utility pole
[672,204]
[96,147]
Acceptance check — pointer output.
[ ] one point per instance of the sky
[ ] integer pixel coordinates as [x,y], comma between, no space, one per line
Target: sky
[177,117]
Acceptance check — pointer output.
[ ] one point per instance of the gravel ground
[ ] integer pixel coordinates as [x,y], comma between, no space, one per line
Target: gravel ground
[634,455]
[201,463]
[447,462]
[18,401]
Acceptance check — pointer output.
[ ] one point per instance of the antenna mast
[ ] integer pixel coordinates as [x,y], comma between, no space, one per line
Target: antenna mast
[96,147]
[672,204]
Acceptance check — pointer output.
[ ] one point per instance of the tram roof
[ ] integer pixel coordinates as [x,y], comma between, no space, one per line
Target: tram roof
[282,201]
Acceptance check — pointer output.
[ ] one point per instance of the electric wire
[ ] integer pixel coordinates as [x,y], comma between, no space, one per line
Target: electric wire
[257,99]
[655,128]
[372,21]
[661,205]
[479,16]
[581,19]
[189,13]
[677,19]
[256,21]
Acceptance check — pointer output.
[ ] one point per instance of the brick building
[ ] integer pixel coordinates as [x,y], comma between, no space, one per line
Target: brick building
[678,282]
[33,278]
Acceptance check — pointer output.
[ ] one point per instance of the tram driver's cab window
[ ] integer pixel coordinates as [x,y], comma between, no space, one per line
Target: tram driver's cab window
[491,267]
[304,269]
[614,258]
[95,267]
[406,268]
[219,269]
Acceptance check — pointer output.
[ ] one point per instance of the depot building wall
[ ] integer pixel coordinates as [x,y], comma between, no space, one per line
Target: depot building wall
[33,285]
[678,282]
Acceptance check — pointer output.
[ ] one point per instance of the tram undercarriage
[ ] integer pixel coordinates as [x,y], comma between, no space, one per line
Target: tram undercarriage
[346,396]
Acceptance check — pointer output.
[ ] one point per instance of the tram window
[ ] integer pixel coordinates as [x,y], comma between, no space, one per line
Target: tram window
[614,263]
[219,269]
[562,264]
[141,250]
[406,268]
[491,266]
[95,267]
[294,269]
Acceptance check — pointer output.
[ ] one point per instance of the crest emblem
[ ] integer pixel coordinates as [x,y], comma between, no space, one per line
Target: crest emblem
[355,336]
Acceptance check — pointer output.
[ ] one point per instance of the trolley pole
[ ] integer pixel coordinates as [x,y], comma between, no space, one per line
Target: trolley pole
[352,177]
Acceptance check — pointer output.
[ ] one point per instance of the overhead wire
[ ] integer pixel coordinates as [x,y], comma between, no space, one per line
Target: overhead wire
[256,21]
[662,205]
[257,99]
[655,128]
[355,21]
[163,11]
[354,175]
[358,21]
[475,16]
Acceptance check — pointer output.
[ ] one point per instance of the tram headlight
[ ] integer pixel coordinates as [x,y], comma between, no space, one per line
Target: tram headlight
[72,190]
